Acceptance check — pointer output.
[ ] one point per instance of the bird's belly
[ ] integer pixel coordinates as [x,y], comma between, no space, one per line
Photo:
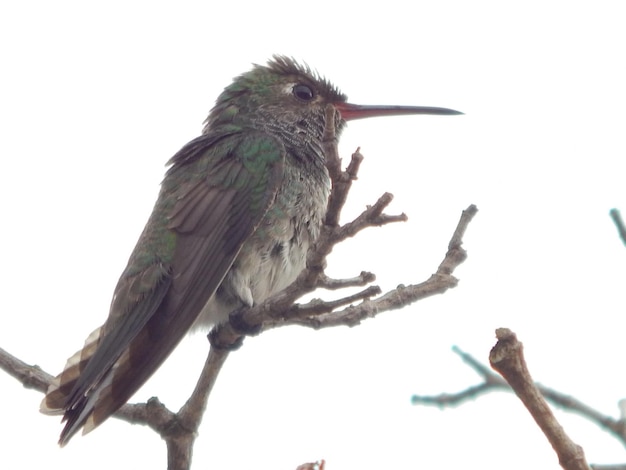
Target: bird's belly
[273,257]
[261,269]
[267,263]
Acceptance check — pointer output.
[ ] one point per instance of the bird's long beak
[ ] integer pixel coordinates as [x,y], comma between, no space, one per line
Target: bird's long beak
[351,111]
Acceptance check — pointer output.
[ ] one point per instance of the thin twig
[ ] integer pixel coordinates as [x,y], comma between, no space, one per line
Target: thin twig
[619,224]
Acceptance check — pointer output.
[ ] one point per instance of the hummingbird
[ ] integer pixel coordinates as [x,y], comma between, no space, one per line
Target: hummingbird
[238,209]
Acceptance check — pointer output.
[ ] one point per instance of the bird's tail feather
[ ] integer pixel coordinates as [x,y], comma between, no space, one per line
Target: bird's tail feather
[55,401]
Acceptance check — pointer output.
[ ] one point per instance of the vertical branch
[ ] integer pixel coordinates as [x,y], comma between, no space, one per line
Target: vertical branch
[341,180]
[507,357]
[192,411]
[181,436]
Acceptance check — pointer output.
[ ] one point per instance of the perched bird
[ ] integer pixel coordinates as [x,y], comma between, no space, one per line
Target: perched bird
[238,209]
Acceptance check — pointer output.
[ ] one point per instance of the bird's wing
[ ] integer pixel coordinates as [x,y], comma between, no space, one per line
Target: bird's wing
[212,200]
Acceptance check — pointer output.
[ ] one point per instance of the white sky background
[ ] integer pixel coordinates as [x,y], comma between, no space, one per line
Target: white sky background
[94,101]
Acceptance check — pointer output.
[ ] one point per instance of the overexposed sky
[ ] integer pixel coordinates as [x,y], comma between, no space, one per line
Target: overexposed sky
[95,99]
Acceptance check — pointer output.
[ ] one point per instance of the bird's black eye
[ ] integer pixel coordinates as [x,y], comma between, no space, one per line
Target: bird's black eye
[303,92]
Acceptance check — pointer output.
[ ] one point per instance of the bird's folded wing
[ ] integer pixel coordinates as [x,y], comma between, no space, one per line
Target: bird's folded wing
[213,198]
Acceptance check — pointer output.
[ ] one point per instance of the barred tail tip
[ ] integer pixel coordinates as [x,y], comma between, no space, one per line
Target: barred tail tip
[55,401]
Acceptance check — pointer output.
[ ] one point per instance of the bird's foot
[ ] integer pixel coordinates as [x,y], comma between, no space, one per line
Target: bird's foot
[239,326]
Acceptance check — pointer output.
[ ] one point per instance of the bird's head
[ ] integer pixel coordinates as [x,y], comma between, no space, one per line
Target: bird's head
[291,100]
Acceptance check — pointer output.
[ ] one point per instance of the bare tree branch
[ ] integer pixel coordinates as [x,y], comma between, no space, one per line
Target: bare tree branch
[619,223]
[362,279]
[179,429]
[312,466]
[493,382]
[31,376]
[507,357]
